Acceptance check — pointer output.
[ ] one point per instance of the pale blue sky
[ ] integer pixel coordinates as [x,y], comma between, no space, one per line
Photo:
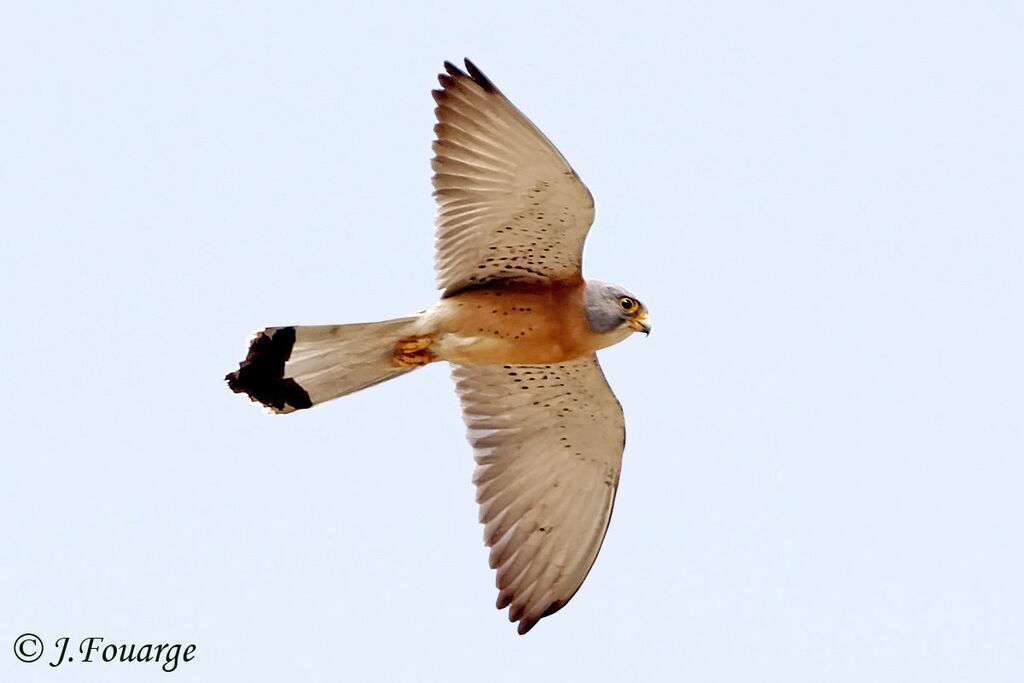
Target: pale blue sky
[822,204]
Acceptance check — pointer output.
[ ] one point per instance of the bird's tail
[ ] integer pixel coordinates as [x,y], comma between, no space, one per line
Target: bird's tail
[289,368]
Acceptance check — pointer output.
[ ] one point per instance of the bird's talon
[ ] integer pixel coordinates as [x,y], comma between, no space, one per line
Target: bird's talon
[413,352]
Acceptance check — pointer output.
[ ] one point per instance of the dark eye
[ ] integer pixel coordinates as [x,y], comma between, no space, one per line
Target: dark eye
[627,304]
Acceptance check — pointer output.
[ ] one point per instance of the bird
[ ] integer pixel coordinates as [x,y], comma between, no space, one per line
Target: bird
[520,327]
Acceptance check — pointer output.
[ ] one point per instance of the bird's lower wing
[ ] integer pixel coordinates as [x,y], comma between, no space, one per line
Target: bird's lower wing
[548,443]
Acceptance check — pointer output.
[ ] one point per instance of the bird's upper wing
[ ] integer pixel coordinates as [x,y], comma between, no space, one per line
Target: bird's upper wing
[509,205]
[548,441]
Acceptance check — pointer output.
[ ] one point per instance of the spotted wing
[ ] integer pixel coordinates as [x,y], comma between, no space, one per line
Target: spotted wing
[548,443]
[509,205]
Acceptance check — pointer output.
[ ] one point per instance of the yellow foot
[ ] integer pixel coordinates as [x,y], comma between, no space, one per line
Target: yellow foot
[413,352]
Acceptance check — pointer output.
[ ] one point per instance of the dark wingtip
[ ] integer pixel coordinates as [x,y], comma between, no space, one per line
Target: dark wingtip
[553,607]
[525,625]
[472,73]
[452,72]
[261,374]
[479,77]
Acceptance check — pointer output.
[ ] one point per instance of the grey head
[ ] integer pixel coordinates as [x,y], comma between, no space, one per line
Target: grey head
[610,308]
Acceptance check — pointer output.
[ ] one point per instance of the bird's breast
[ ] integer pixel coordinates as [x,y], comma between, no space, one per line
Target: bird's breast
[513,325]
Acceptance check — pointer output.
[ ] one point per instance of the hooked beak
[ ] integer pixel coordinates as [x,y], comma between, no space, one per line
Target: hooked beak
[641,323]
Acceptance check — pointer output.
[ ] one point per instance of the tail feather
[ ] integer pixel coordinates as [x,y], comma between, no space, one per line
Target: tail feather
[290,368]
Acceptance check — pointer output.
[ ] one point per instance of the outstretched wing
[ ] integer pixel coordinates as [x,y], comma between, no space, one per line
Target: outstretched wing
[509,205]
[548,442]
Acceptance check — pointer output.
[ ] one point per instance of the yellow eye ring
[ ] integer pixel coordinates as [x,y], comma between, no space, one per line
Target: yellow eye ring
[628,305]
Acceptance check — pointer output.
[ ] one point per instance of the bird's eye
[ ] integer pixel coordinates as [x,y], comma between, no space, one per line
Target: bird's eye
[627,304]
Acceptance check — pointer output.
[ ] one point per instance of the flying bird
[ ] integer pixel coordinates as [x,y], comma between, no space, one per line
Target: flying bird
[520,327]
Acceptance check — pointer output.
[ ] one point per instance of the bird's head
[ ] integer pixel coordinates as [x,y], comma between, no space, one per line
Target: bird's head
[613,311]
